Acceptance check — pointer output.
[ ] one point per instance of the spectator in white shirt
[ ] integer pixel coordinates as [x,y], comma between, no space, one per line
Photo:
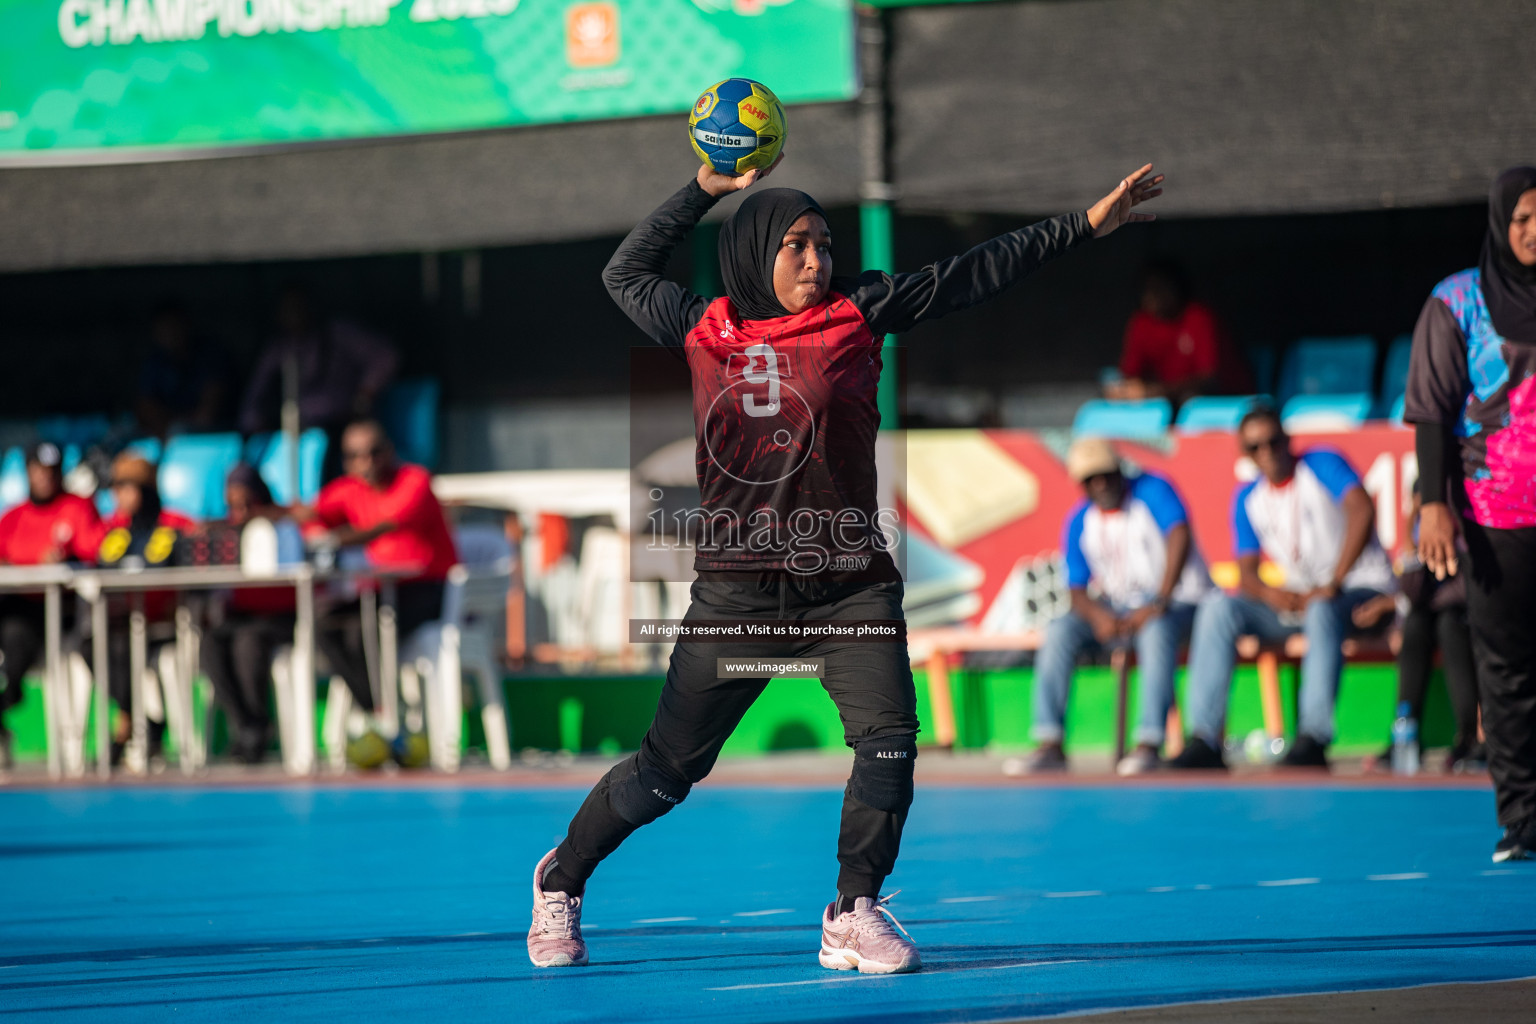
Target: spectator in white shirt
[1312,519]
[1131,540]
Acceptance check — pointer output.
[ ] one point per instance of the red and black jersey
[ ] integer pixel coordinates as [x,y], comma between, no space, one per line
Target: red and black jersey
[784,409]
[785,420]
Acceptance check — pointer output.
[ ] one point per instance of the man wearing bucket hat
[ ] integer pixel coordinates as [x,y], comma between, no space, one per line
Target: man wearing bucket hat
[1130,539]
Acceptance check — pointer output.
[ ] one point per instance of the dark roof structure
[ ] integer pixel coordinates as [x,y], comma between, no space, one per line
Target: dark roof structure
[1282,106]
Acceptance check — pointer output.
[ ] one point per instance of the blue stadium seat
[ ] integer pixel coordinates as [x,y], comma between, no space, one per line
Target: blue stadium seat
[1328,366]
[1102,417]
[81,430]
[1316,414]
[1262,359]
[150,448]
[1396,415]
[1394,374]
[408,411]
[13,479]
[256,447]
[1216,412]
[192,472]
[276,468]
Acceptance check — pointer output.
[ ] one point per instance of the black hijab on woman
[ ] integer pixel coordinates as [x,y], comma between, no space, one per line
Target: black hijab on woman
[246,475]
[1509,286]
[749,244]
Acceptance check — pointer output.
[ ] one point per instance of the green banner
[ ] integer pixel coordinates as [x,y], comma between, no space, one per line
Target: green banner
[94,77]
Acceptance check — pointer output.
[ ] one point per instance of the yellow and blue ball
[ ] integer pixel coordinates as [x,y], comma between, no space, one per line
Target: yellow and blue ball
[737,125]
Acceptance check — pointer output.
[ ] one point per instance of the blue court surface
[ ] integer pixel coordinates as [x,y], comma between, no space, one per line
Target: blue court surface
[327,904]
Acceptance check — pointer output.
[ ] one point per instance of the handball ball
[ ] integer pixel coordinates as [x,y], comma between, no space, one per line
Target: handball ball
[737,125]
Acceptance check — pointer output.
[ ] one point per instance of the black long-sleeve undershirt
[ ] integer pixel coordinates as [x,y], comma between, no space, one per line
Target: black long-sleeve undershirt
[890,303]
[1436,395]
[1432,443]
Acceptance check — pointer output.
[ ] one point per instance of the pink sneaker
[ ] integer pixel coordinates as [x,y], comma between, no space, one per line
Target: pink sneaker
[555,938]
[863,939]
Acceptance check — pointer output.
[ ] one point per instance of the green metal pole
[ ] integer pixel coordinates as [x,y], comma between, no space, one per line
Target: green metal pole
[877,246]
[706,260]
[875,236]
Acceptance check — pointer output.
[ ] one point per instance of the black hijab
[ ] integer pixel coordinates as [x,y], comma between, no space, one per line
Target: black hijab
[247,476]
[1509,286]
[749,244]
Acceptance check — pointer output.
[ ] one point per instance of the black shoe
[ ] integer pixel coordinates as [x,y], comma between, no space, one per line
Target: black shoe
[1044,759]
[155,741]
[1519,842]
[249,746]
[1306,753]
[1198,754]
[1472,760]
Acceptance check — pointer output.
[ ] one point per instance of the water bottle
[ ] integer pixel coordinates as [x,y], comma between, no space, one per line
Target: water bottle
[1405,743]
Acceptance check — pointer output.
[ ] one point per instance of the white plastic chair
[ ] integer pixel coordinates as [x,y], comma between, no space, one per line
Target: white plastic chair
[169,678]
[333,727]
[602,589]
[439,654]
[433,662]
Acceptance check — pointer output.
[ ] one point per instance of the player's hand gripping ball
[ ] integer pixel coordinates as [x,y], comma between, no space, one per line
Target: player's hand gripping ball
[737,125]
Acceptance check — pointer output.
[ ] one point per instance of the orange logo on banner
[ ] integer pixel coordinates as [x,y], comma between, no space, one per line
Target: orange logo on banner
[592,35]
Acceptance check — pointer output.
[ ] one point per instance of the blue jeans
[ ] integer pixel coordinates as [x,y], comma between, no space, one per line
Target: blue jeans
[1157,655]
[1222,618]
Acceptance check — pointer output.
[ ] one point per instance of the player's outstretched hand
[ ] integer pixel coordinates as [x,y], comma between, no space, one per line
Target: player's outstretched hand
[1115,209]
[718,185]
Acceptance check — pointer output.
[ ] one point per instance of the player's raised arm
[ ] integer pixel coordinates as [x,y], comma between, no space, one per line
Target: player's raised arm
[893,303]
[635,275]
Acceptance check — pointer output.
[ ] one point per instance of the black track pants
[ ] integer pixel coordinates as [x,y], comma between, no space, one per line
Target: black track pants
[21,643]
[237,655]
[1501,609]
[870,682]
[339,633]
[1424,630]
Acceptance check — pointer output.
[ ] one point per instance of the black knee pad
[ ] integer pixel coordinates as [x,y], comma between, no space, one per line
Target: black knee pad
[882,772]
[644,793]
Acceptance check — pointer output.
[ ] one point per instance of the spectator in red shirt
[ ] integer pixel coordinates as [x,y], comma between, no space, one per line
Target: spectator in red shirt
[238,650]
[390,509]
[50,526]
[1174,346]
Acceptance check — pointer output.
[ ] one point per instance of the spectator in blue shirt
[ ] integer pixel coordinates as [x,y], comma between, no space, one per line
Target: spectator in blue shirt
[1130,539]
[1310,516]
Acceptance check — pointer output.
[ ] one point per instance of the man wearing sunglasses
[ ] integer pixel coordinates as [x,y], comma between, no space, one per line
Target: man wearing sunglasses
[389,508]
[1311,518]
[1130,537]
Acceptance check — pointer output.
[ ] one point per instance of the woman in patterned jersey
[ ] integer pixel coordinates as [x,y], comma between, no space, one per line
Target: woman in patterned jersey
[1472,393]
